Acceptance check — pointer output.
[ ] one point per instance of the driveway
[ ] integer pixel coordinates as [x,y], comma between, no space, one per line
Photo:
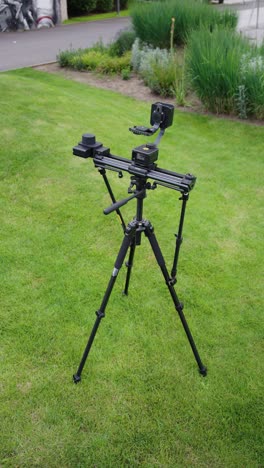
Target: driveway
[28,48]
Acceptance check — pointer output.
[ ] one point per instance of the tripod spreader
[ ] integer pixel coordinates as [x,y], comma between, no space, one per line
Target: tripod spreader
[110,191]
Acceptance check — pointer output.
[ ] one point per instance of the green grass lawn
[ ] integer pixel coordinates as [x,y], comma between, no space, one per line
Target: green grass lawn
[96,17]
[142,401]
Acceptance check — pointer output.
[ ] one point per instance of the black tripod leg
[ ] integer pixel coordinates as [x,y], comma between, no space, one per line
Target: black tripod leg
[178,305]
[77,376]
[184,198]
[118,212]
[101,312]
[129,265]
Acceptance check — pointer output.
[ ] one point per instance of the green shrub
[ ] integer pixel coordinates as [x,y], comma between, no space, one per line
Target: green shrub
[161,79]
[126,73]
[76,7]
[98,46]
[123,4]
[94,60]
[152,20]
[214,65]
[158,71]
[227,73]
[123,43]
[65,57]
[114,64]
[136,56]
[252,80]
[261,49]
[241,102]
[104,5]
[87,61]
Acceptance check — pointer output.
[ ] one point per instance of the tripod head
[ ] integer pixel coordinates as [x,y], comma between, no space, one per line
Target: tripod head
[161,117]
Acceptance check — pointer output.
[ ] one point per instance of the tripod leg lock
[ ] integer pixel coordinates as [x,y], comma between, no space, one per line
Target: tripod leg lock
[179,240]
[172,281]
[100,314]
[203,371]
[76,378]
[180,307]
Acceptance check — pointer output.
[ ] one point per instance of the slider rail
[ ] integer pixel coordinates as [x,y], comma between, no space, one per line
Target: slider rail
[183,183]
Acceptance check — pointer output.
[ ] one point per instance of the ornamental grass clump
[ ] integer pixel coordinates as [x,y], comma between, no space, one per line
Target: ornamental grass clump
[214,65]
[252,80]
[227,73]
[152,20]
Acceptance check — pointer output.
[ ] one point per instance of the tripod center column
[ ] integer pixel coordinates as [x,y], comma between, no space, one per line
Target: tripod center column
[140,187]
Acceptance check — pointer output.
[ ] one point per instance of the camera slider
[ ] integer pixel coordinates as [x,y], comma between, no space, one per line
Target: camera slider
[142,163]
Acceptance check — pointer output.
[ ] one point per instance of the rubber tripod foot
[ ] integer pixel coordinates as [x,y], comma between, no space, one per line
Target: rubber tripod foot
[203,371]
[76,378]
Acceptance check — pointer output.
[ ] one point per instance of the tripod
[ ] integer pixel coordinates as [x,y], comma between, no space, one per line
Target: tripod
[132,237]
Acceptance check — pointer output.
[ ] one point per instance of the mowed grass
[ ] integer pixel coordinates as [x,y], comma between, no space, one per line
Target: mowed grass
[96,17]
[141,401]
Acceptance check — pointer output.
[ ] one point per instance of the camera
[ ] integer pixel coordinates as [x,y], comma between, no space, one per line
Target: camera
[162,114]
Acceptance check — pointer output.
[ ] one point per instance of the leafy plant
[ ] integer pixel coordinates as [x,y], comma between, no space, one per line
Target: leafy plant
[157,70]
[104,5]
[96,58]
[80,6]
[123,4]
[126,74]
[101,62]
[241,102]
[66,57]
[122,43]
[136,56]
[161,70]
